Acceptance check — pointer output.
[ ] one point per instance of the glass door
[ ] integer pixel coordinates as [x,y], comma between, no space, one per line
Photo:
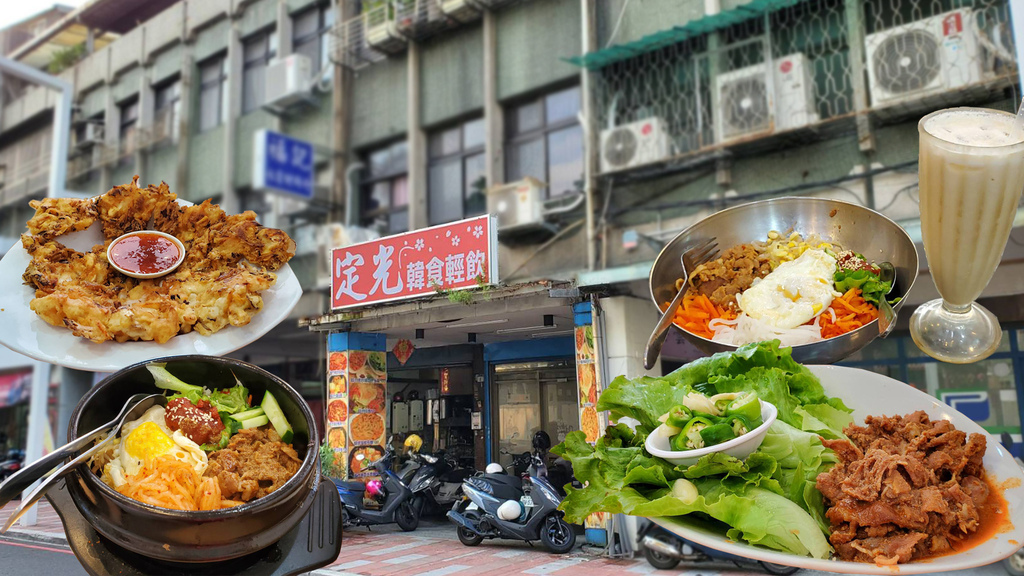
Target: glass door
[532,396]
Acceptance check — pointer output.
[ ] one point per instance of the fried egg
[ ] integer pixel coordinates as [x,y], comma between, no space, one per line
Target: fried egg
[147,438]
[793,293]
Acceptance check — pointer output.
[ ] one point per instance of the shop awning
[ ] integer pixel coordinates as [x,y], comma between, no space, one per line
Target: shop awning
[699,27]
[15,388]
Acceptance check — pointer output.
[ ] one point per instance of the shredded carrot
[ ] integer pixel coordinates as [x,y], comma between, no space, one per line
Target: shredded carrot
[168,482]
[696,312]
[852,312]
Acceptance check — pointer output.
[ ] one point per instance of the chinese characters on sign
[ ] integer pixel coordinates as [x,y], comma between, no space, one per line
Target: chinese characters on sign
[452,256]
[282,164]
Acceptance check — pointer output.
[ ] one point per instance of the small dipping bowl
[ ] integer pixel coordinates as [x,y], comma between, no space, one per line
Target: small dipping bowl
[146,254]
[658,444]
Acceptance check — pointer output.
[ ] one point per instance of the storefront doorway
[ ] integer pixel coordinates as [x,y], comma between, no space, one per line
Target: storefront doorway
[532,396]
[437,405]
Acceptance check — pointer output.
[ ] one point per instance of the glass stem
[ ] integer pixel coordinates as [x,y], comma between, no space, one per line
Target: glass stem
[956,309]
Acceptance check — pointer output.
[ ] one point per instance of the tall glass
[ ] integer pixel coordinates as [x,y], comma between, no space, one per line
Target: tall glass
[971,172]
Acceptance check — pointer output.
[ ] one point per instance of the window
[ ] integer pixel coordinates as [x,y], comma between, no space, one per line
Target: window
[257,52]
[166,110]
[385,190]
[311,30]
[456,178]
[126,128]
[546,141]
[213,93]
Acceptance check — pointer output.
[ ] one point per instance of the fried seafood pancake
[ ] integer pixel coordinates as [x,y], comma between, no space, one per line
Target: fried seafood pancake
[129,208]
[228,264]
[57,216]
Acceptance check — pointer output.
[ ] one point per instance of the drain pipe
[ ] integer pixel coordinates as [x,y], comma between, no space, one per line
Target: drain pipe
[37,420]
[352,194]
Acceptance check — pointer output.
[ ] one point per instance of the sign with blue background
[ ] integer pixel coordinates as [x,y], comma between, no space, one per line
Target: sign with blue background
[282,164]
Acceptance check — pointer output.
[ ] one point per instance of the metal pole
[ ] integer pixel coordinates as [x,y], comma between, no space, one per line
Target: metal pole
[37,422]
[1017,18]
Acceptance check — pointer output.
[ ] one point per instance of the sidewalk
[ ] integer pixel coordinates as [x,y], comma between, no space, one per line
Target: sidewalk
[47,529]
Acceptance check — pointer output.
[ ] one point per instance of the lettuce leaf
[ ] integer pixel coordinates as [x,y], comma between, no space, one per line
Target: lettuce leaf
[768,499]
[231,400]
[871,286]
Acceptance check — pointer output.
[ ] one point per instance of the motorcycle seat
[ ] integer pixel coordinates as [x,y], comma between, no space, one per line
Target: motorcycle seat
[350,485]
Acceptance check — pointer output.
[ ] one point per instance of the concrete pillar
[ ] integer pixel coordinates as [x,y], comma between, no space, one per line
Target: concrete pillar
[629,321]
[230,202]
[340,106]
[73,385]
[184,121]
[144,125]
[418,216]
[494,117]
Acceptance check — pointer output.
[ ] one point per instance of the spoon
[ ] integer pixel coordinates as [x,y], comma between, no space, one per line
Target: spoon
[22,479]
[131,411]
[886,315]
[694,256]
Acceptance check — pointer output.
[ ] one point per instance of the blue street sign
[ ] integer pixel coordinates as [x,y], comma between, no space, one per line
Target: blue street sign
[282,164]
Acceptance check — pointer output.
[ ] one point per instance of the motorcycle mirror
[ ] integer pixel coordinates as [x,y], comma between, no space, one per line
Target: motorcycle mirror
[390,438]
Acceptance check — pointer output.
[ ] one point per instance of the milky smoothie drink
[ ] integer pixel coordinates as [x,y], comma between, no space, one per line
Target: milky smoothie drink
[971,176]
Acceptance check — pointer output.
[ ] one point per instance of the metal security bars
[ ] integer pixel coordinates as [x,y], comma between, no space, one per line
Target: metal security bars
[789,73]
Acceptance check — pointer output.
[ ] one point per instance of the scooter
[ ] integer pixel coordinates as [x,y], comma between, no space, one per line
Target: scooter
[500,505]
[437,483]
[664,550]
[15,460]
[393,496]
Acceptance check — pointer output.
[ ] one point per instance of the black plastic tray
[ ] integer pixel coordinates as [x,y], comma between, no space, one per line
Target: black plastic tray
[314,543]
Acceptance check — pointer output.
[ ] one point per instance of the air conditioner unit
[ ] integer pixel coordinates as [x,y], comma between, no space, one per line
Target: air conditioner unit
[458,8]
[331,236]
[288,81]
[518,205]
[931,55]
[91,135]
[747,104]
[634,144]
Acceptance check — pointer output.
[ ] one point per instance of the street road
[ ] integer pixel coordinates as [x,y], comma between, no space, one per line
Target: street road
[24,558]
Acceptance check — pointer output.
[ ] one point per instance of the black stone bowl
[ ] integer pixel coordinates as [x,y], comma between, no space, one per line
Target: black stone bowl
[208,536]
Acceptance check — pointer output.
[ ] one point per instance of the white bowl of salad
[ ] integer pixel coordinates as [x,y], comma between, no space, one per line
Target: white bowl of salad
[732,423]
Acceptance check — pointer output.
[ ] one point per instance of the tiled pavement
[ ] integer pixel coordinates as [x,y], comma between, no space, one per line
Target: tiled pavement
[431,550]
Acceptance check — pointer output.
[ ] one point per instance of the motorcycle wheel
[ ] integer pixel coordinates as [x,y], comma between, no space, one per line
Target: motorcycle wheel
[659,560]
[1014,565]
[406,516]
[778,568]
[557,535]
[466,536]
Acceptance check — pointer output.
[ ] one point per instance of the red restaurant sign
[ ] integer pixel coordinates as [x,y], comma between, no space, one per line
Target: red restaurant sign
[454,256]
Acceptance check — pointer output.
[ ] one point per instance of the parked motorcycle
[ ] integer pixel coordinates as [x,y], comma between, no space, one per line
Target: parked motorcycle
[437,483]
[393,496]
[15,460]
[664,550]
[501,505]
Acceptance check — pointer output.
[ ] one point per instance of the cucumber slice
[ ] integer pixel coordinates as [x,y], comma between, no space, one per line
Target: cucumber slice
[251,413]
[255,422]
[276,415]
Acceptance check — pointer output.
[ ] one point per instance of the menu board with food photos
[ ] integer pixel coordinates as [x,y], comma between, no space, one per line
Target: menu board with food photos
[592,423]
[588,385]
[367,403]
[356,410]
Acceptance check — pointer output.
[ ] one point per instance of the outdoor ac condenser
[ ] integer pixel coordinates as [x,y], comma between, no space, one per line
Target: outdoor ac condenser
[747,104]
[288,80]
[518,205]
[634,144]
[927,56]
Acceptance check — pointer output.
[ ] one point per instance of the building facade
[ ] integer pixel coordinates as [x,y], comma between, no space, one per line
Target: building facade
[616,124]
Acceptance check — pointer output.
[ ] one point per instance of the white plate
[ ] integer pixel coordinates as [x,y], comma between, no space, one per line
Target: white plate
[26,333]
[868,394]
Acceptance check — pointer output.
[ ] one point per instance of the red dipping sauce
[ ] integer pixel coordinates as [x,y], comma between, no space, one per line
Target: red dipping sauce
[144,253]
